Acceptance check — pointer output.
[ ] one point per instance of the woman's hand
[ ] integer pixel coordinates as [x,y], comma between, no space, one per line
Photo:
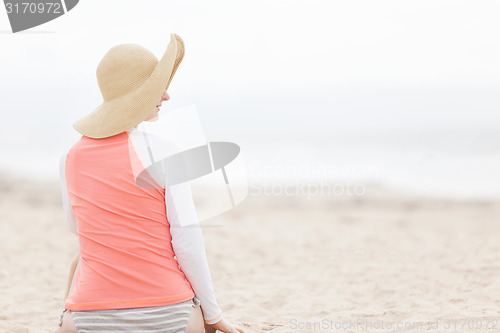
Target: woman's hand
[224,326]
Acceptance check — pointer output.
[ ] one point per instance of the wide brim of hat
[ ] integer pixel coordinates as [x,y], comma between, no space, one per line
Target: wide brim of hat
[120,114]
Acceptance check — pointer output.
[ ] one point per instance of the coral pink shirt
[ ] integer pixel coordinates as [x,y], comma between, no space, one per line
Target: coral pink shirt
[127,259]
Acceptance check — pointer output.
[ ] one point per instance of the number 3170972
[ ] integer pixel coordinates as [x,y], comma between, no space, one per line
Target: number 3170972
[31,7]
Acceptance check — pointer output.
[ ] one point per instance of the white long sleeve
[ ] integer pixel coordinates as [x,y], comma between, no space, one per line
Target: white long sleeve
[68,210]
[189,248]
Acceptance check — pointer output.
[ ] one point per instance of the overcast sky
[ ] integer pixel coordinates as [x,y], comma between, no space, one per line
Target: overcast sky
[235,47]
[276,66]
[310,52]
[277,42]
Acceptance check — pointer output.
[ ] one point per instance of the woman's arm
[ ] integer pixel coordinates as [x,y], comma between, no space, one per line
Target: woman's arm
[68,210]
[72,270]
[70,221]
[189,248]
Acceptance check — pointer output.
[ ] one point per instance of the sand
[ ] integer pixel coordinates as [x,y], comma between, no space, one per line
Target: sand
[290,264]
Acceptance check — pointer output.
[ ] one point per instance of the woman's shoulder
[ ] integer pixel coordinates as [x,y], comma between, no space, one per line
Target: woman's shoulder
[156,144]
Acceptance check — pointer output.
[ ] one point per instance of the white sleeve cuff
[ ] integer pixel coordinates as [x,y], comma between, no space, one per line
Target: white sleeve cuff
[189,248]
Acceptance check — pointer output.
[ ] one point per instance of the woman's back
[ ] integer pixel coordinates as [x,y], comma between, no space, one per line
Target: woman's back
[126,253]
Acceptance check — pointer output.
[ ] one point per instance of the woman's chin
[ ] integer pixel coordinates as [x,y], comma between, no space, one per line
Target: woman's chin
[153,119]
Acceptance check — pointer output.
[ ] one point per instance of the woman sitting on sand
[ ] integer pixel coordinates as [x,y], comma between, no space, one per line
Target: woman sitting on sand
[141,265]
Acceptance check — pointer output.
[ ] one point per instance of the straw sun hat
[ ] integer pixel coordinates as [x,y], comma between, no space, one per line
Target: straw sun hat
[132,81]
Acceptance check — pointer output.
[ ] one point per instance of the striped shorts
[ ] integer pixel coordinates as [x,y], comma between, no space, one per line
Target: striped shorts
[159,319]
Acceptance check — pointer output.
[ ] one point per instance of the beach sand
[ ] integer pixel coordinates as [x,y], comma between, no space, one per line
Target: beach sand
[289,263]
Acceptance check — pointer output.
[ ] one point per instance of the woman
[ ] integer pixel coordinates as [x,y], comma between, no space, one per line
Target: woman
[141,263]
